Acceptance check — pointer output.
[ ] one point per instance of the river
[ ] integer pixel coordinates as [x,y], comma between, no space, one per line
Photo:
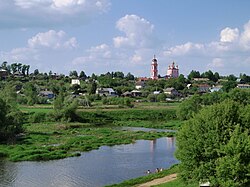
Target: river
[107,165]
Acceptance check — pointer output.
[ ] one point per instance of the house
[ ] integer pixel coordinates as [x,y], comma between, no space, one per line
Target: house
[216,88]
[3,73]
[136,93]
[127,94]
[203,88]
[18,74]
[48,94]
[75,82]
[156,92]
[189,86]
[139,85]
[201,79]
[171,91]
[243,86]
[106,92]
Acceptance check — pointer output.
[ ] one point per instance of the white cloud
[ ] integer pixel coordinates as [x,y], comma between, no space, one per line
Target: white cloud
[20,54]
[44,13]
[136,58]
[138,32]
[52,39]
[229,35]
[95,54]
[216,63]
[184,49]
[228,55]
[245,36]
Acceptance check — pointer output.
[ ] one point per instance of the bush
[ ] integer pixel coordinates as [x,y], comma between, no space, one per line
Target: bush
[37,117]
[215,145]
[11,120]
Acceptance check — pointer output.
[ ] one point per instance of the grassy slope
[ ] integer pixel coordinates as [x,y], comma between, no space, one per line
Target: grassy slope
[177,183]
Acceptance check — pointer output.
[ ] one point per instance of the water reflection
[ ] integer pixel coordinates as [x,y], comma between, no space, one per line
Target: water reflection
[107,165]
[7,173]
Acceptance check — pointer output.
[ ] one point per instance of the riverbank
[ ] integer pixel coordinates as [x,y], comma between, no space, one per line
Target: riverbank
[147,178]
[165,178]
[48,141]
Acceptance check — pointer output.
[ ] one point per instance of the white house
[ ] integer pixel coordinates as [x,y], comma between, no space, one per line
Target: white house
[106,92]
[75,81]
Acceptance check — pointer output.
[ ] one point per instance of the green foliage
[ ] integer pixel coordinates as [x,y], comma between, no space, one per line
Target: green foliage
[214,145]
[161,97]
[147,178]
[152,98]
[193,104]
[37,117]
[229,85]
[58,101]
[194,74]
[31,93]
[188,107]
[117,101]
[10,121]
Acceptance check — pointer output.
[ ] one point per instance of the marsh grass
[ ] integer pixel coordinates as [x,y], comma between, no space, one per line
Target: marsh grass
[56,140]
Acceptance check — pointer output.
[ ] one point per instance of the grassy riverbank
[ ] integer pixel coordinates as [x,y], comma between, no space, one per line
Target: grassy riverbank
[144,179]
[46,141]
[55,140]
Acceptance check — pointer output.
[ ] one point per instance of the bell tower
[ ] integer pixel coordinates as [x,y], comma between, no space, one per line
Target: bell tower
[154,70]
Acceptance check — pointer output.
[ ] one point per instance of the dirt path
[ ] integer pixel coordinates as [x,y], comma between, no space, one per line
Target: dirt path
[159,181]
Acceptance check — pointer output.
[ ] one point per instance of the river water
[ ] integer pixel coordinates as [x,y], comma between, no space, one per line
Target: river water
[107,165]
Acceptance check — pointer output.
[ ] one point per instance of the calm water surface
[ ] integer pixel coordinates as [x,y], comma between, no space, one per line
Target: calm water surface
[108,165]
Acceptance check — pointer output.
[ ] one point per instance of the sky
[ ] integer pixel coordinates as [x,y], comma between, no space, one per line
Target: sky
[97,36]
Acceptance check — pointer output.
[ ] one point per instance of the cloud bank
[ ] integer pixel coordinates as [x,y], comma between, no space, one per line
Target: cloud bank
[45,13]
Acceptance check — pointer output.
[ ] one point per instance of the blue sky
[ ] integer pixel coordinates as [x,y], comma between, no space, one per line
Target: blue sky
[97,36]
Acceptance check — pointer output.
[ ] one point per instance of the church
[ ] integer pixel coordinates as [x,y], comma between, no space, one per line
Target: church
[172,72]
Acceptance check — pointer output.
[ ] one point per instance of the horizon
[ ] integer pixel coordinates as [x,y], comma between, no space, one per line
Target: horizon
[101,36]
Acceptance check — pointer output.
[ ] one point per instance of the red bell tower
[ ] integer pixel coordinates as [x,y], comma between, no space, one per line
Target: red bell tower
[154,70]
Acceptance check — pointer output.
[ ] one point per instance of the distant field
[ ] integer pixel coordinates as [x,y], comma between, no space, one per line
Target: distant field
[145,105]
[37,108]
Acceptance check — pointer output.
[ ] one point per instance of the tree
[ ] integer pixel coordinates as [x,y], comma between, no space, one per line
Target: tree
[119,74]
[24,68]
[58,102]
[10,121]
[36,72]
[4,65]
[129,76]
[82,75]
[73,73]
[194,74]
[19,67]
[152,98]
[229,85]
[188,107]
[92,87]
[27,70]
[31,94]
[214,146]
[13,67]
[161,97]
[231,78]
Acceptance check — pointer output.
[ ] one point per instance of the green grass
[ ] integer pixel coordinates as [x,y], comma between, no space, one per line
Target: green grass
[46,141]
[37,108]
[55,140]
[177,183]
[147,178]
